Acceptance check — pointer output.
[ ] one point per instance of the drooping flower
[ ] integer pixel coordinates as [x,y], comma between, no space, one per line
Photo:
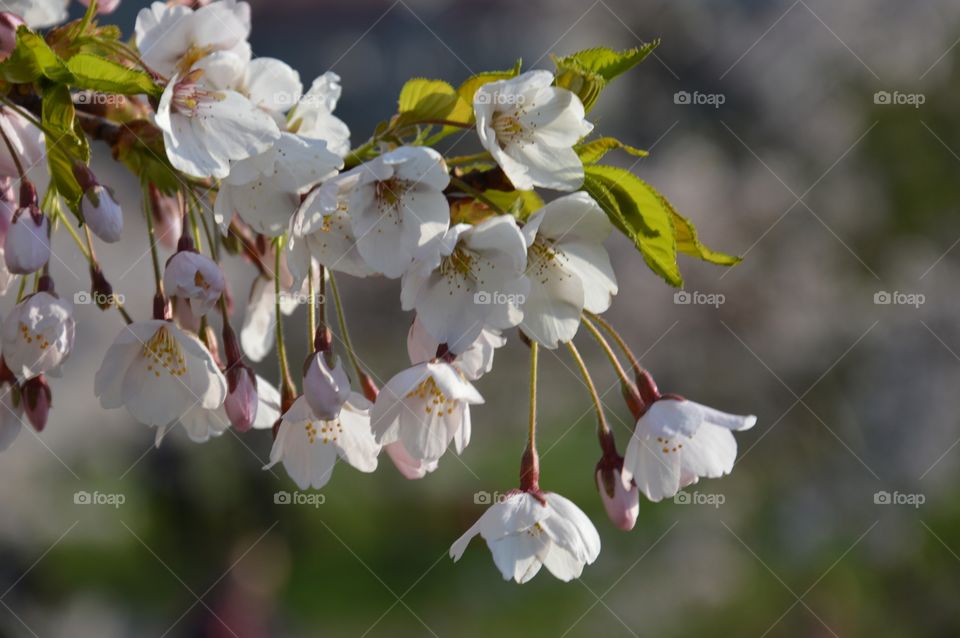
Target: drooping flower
[194,280]
[172,38]
[468,279]
[676,442]
[38,335]
[408,466]
[313,115]
[397,206]
[202,424]
[102,213]
[325,388]
[158,372]
[474,362]
[568,268]
[322,230]
[530,127]
[257,331]
[620,497]
[526,531]
[309,447]
[205,129]
[425,407]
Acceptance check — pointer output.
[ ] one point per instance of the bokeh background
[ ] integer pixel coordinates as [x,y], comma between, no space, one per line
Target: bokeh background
[832,198]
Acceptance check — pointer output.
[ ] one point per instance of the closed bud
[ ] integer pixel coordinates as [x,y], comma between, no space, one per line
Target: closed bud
[621,499]
[37,400]
[242,400]
[101,288]
[326,389]
[27,245]
[167,217]
[102,213]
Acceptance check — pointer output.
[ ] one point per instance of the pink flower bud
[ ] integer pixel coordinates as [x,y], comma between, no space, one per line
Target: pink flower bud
[27,245]
[620,499]
[8,33]
[325,389]
[102,213]
[36,402]
[242,400]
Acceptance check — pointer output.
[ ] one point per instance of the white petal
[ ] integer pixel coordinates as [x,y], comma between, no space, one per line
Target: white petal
[656,473]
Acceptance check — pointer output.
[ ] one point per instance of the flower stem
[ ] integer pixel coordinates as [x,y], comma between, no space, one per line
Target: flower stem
[610,330]
[588,381]
[627,386]
[152,233]
[311,309]
[288,389]
[532,427]
[530,462]
[344,331]
[467,159]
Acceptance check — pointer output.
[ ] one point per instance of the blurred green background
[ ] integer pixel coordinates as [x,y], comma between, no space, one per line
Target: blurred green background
[832,197]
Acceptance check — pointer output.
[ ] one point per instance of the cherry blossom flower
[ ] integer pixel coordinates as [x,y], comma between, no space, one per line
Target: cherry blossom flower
[270,84]
[676,442]
[309,447]
[322,230]
[27,245]
[102,214]
[256,333]
[469,278]
[38,335]
[159,373]
[530,127]
[526,531]
[204,129]
[313,115]
[397,205]
[568,268]
[29,145]
[325,388]
[425,407]
[171,39]
[195,280]
[202,424]
[39,14]
[473,363]
[620,497]
[408,466]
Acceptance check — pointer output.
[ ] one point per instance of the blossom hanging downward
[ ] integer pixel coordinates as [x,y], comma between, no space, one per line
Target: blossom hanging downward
[38,335]
[530,127]
[425,407]
[195,282]
[676,442]
[568,268]
[204,129]
[309,447]
[527,531]
[158,372]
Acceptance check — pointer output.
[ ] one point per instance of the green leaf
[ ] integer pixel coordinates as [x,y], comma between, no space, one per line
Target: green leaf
[586,84]
[31,60]
[99,74]
[65,142]
[640,213]
[422,99]
[520,204]
[688,243]
[593,151]
[608,63]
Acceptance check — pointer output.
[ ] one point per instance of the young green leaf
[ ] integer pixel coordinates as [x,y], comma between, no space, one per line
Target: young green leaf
[639,212]
[593,151]
[586,84]
[65,143]
[31,60]
[608,63]
[422,99]
[99,74]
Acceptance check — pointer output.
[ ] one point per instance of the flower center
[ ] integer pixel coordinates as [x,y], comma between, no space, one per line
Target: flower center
[545,261]
[200,282]
[461,265]
[188,95]
[328,432]
[163,352]
[433,398]
[507,127]
[667,448]
[29,337]
[388,194]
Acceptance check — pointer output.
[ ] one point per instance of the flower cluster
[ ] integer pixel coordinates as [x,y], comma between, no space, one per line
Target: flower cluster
[252,164]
